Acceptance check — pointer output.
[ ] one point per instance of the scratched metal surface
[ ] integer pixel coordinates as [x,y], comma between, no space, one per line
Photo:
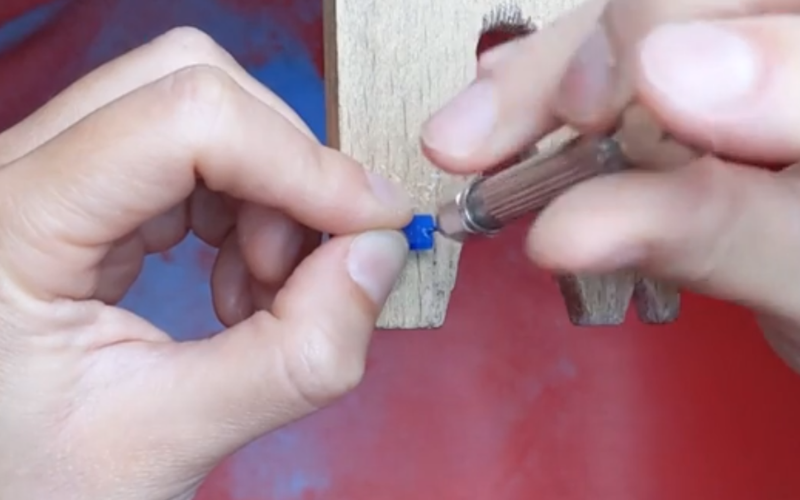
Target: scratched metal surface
[508,401]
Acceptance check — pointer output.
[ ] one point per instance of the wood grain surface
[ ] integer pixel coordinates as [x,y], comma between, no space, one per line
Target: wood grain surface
[388,67]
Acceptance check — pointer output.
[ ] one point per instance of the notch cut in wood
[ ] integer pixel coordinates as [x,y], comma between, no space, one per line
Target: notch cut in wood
[388,67]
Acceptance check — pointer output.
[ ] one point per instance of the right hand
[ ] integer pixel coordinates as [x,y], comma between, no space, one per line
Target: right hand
[720,75]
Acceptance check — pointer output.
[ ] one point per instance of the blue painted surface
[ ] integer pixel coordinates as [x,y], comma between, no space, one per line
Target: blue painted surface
[17,30]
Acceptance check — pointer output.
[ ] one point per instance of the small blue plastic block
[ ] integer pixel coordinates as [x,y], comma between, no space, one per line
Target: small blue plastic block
[420,232]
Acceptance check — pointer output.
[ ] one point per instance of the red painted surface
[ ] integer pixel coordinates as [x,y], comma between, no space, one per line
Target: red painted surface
[49,60]
[10,9]
[508,401]
[499,35]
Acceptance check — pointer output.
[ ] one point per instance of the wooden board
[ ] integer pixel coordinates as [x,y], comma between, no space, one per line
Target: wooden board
[389,65]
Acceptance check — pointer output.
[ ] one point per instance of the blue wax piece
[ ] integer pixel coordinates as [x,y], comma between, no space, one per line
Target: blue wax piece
[420,232]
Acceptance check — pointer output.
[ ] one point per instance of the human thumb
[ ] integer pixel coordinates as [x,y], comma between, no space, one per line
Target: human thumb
[728,87]
[276,367]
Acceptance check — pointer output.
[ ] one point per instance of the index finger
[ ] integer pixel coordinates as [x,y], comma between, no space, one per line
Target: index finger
[600,79]
[142,154]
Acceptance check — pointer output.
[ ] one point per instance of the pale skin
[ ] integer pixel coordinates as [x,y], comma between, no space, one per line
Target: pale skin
[176,137]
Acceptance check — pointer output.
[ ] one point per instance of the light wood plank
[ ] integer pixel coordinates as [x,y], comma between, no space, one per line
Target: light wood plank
[389,65]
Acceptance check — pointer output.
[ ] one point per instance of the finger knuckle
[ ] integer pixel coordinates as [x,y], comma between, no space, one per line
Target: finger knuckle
[195,97]
[198,85]
[320,368]
[304,170]
[187,46]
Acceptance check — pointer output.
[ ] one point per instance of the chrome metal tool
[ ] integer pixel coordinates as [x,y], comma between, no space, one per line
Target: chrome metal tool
[488,203]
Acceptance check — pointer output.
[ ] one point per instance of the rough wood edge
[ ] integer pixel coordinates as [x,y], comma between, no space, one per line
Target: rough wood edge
[603,300]
[441,264]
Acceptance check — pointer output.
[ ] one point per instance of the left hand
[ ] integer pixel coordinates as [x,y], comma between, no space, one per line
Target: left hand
[95,401]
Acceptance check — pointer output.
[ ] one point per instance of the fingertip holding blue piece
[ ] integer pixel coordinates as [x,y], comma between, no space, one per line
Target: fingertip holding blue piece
[420,232]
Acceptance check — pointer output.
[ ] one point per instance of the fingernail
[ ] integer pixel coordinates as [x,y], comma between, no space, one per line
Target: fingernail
[588,83]
[464,124]
[375,261]
[388,192]
[700,67]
